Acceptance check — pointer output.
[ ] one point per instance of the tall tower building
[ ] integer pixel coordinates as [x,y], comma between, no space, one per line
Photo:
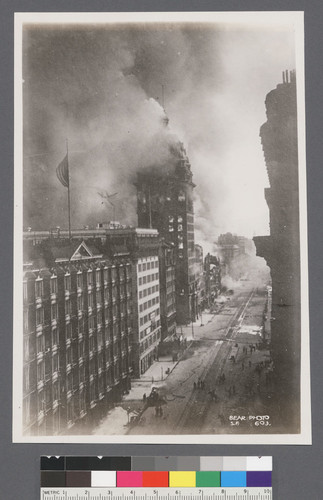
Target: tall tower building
[281,248]
[165,202]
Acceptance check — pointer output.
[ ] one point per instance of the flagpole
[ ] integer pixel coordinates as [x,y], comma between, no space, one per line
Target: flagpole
[68,195]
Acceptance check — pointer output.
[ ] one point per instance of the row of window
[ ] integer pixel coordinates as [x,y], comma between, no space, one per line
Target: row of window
[148,304]
[91,321]
[39,282]
[45,343]
[43,401]
[171,219]
[148,279]
[51,365]
[148,291]
[149,341]
[148,330]
[147,317]
[148,265]
[40,314]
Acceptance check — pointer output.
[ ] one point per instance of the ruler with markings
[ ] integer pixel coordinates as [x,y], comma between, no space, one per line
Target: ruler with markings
[229,493]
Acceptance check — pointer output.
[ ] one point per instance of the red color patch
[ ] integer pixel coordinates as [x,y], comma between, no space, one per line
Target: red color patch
[157,478]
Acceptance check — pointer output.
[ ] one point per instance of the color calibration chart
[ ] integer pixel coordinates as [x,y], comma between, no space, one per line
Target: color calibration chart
[156,478]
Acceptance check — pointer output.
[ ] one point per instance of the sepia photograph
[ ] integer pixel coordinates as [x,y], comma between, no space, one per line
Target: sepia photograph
[160,279]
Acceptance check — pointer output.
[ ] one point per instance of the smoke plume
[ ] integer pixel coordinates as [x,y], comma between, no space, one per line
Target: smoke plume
[102,87]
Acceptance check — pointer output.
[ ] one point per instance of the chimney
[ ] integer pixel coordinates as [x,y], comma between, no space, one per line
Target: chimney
[292,76]
[286,72]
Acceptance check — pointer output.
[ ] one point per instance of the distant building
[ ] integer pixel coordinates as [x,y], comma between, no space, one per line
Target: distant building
[212,268]
[199,278]
[77,333]
[282,248]
[165,202]
[229,249]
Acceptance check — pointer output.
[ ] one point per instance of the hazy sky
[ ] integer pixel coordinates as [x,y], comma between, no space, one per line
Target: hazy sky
[101,86]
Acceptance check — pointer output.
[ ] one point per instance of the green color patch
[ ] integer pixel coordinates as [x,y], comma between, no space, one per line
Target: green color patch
[208,478]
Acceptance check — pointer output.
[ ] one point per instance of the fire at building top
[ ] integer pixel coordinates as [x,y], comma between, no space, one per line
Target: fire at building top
[165,202]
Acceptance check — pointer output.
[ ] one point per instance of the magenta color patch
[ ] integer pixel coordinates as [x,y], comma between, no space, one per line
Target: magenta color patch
[128,479]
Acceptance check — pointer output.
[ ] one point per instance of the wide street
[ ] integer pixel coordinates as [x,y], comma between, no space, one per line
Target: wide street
[216,407]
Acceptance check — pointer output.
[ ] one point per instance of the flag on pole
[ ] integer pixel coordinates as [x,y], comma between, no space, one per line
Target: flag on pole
[62,172]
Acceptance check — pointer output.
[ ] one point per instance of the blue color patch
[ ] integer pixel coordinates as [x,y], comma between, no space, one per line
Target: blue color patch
[234,478]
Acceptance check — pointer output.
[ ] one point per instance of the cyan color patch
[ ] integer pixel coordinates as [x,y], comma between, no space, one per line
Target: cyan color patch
[233,478]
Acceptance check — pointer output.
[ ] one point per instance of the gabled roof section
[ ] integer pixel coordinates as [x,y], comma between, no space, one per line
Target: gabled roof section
[78,252]
[82,252]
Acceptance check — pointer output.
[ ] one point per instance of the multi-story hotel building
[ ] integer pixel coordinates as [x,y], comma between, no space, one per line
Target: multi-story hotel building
[143,248]
[77,334]
[92,320]
[148,310]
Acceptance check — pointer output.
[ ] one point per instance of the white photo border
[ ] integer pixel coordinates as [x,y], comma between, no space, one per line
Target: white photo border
[296,19]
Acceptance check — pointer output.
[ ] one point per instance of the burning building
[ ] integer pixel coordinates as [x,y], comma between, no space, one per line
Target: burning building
[165,202]
[281,249]
[212,268]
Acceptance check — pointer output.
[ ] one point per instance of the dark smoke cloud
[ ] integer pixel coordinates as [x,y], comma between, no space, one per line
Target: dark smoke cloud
[102,88]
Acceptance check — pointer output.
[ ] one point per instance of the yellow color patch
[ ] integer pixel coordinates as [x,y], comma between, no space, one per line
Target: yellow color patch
[182,479]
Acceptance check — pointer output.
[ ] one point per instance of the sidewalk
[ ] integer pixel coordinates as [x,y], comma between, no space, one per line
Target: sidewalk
[116,420]
[155,375]
[192,333]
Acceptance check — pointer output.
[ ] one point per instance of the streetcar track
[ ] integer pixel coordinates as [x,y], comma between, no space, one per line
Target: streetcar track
[191,413]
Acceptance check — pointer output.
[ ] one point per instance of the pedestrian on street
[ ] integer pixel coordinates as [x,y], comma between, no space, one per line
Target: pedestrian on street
[242,365]
[249,364]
